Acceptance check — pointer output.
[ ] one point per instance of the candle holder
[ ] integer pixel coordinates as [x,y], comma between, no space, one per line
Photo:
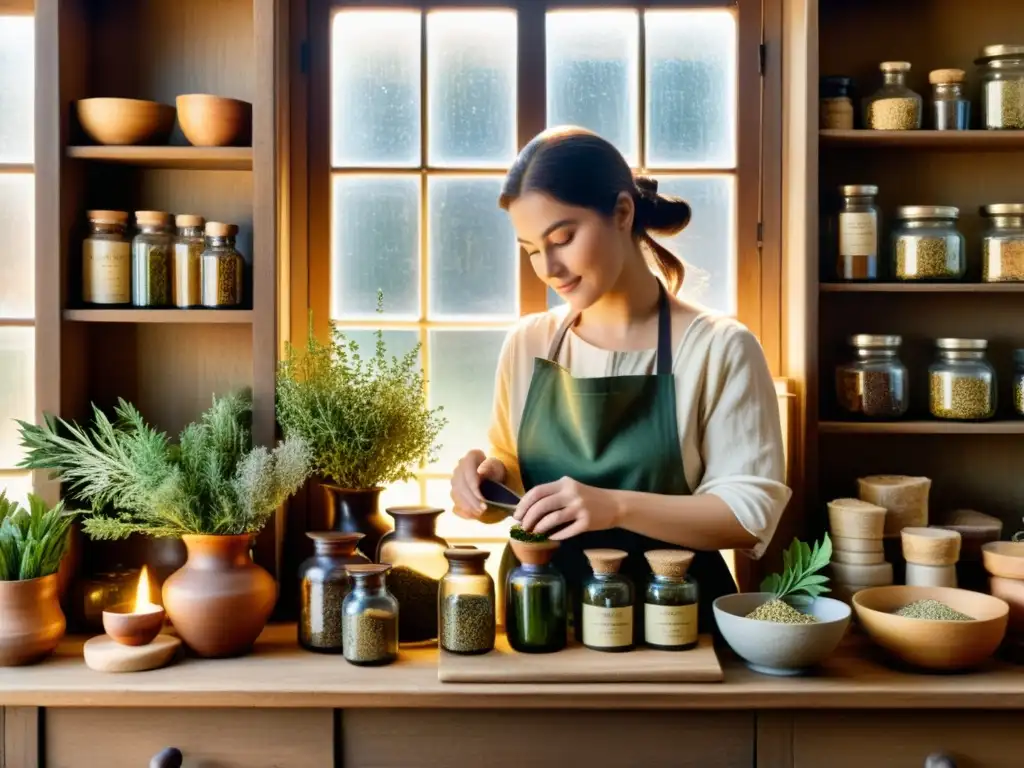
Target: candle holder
[134,627]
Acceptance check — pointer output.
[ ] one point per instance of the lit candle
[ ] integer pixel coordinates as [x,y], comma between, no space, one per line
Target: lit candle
[140,625]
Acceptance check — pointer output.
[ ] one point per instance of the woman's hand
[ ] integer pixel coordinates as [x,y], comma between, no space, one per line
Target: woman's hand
[565,502]
[469,502]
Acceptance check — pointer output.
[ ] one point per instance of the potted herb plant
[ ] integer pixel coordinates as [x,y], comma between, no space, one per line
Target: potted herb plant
[213,489]
[33,542]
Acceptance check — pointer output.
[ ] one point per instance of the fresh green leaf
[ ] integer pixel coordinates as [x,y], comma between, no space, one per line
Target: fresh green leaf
[800,576]
[33,541]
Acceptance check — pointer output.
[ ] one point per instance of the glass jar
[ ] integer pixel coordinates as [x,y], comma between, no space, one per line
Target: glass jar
[670,602]
[927,245]
[416,555]
[186,266]
[107,260]
[1002,245]
[323,585]
[836,103]
[893,107]
[858,233]
[222,267]
[1018,381]
[951,110]
[369,617]
[1002,86]
[151,259]
[873,384]
[536,619]
[608,599]
[961,381]
[466,604]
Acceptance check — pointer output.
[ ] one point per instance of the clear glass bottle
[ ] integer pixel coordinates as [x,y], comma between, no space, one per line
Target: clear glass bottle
[1018,381]
[893,107]
[536,605]
[1002,86]
[927,245]
[222,267]
[107,260]
[608,599]
[186,266]
[874,384]
[323,585]
[1002,245]
[951,109]
[961,381]
[836,103]
[151,259]
[369,617]
[466,603]
[858,228]
[416,555]
[670,602]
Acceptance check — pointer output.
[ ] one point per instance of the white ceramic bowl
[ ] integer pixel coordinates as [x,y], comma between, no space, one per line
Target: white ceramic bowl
[781,649]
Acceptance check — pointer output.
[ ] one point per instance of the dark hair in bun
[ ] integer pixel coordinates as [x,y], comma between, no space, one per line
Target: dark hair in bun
[578,167]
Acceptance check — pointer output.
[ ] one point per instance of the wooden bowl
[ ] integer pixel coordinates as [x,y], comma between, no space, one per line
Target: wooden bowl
[929,644]
[930,546]
[1004,558]
[125,121]
[130,628]
[214,121]
[1012,591]
[856,519]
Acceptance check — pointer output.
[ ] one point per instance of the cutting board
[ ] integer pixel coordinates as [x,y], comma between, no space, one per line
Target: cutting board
[579,664]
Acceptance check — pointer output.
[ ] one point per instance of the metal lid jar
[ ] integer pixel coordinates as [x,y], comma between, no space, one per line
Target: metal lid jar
[894,106]
[1002,244]
[926,244]
[858,228]
[961,381]
[1002,86]
[466,603]
[951,110]
[874,383]
[1018,381]
[836,102]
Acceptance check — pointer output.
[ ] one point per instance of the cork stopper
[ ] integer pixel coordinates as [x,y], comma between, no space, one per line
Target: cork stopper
[220,229]
[108,217]
[673,563]
[937,76]
[858,504]
[152,217]
[188,220]
[533,552]
[605,560]
[894,66]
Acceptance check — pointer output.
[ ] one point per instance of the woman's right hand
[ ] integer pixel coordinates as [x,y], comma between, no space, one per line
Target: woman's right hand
[469,502]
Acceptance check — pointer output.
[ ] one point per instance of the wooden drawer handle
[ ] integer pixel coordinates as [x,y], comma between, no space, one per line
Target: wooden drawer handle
[939,760]
[172,757]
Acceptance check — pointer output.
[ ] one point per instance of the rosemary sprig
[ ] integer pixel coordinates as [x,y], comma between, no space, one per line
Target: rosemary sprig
[800,571]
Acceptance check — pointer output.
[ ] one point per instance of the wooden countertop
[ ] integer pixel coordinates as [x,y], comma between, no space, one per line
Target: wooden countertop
[279,674]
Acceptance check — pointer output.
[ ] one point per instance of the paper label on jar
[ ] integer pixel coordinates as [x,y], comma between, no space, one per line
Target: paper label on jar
[858,234]
[106,272]
[670,625]
[607,627]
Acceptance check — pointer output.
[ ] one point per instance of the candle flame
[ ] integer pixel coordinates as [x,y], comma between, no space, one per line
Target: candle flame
[142,602]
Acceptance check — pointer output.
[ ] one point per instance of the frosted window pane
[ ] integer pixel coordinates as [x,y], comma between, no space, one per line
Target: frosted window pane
[474,258]
[375,88]
[471,88]
[17,247]
[450,526]
[691,89]
[375,245]
[396,343]
[17,389]
[17,88]
[17,487]
[400,495]
[462,369]
[593,74]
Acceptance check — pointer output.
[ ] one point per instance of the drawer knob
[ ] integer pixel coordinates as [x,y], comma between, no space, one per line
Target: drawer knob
[169,758]
[939,760]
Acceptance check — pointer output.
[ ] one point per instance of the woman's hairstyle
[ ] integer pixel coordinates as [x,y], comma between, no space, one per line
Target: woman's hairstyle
[577,167]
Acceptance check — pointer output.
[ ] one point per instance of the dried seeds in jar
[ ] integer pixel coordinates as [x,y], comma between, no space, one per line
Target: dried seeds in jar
[1002,245]
[858,233]
[961,381]
[1002,75]
[369,616]
[893,107]
[222,267]
[927,244]
[151,259]
[1018,381]
[186,266]
[836,103]
[467,603]
[873,384]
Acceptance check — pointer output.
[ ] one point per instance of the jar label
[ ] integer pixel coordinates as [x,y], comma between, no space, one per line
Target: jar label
[858,235]
[670,625]
[106,272]
[607,627]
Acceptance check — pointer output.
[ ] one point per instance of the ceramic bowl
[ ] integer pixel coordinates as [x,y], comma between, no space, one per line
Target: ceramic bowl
[1004,558]
[501,501]
[1012,591]
[930,644]
[130,628]
[780,649]
[125,121]
[214,121]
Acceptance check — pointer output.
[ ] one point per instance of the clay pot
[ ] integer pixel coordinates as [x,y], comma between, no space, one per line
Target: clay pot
[31,621]
[220,600]
[355,510]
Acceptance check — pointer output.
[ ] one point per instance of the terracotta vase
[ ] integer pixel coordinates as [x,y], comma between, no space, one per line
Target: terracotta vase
[31,621]
[220,600]
[356,510]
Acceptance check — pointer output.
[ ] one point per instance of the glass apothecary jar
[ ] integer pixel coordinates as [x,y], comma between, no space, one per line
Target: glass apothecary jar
[858,227]
[222,268]
[1002,244]
[323,586]
[1002,86]
[874,383]
[607,598]
[107,260]
[894,106]
[927,245]
[536,605]
[670,601]
[1018,381]
[151,259]
[836,103]
[961,381]
[466,603]
[951,109]
[416,555]
[369,617]
[187,263]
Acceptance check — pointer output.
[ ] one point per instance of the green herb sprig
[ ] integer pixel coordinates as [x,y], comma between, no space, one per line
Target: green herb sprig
[800,575]
[32,541]
[516,532]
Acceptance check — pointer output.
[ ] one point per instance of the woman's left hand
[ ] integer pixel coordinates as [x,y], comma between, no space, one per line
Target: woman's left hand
[578,507]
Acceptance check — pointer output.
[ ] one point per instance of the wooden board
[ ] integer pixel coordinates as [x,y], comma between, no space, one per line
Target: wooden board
[578,664]
[104,654]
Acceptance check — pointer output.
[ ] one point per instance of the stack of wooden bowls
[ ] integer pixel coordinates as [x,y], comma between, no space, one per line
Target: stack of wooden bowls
[1004,561]
[931,555]
[858,556]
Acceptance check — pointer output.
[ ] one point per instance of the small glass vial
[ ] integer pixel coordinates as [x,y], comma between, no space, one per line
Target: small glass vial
[1018,381]
[151,259]
[186,265]
[608,599]
[1002,245]
[893,107]
[222,267]
[836,103]
[107,260]
[369,617]
[323,585]
[466,603]
[1002,86]
[961,381]
[858,233]
[951,110]
[874,384]
[670,602]
[536,612]
[927,245]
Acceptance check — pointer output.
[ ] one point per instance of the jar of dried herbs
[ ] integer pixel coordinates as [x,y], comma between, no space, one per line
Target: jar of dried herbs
[536,613]
[323,585]
[466,603]
[951,110]
[107,260]
[961,381]
[927,244]
[1002,91]
[836,102]
[670,602]
[151,259]
[893,107]
[858,227]
[1002,245]
[369,617]
[222,267]
[608,600]
[874,383]
[186,264]
[1018,381]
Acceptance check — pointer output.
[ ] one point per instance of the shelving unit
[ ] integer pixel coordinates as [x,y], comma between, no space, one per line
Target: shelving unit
[185,158]
[967,141]
[921,428]
[178,316]
[922,287]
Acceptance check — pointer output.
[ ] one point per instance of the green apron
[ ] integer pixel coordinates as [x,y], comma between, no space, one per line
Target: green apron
[613,432]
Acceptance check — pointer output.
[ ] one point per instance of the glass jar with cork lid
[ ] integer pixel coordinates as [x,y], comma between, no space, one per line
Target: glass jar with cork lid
[608,598]
[874,384]
[466,603]
[670,602]
[186,265]
[107,260]
[151,259]
[1002,244]
[1002,86]
[536,604]
[951,110]
[222,267]
[961,381]
[927,245]
[894,106]
[369,617]
[323,585]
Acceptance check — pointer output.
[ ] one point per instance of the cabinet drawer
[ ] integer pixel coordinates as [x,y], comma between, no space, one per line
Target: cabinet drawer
[208,738]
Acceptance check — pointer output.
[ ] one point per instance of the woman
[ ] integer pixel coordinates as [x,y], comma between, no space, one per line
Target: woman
[630,418]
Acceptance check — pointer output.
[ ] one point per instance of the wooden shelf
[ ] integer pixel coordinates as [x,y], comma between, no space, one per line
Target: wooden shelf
[921,428]
[181,316]
[968,141]
[922,287]
[186,158]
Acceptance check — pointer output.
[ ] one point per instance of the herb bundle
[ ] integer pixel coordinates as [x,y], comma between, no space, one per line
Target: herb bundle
[32,541]
[516,532]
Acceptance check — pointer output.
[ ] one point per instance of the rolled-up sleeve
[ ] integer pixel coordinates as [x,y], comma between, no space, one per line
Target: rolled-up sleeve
[501,434]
